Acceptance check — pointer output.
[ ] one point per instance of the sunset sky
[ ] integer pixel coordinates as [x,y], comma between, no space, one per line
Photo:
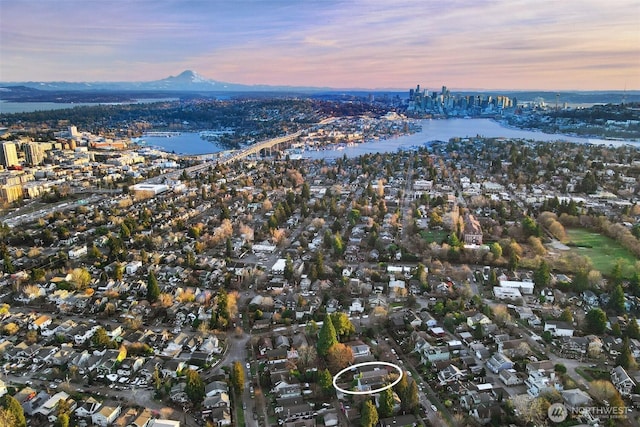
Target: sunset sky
[464,44]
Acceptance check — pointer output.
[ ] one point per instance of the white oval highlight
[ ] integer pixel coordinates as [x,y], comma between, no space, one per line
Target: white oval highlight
[358,365]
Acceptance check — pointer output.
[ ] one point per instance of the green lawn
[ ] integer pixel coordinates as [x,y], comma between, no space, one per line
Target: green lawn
[601,250]
[434,235]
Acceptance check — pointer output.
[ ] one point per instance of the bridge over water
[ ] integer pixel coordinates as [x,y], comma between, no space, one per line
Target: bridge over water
[235,155]
[268,144]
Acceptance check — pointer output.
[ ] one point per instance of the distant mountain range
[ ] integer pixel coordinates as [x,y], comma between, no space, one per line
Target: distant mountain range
[190,84]
[187,81]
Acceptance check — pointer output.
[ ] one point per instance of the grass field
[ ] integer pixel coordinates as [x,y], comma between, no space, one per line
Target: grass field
[434,235]
[601,250]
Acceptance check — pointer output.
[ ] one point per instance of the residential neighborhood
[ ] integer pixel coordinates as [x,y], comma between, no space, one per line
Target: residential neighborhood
[500,276]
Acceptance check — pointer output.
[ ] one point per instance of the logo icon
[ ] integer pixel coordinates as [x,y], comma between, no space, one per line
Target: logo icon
[557,412]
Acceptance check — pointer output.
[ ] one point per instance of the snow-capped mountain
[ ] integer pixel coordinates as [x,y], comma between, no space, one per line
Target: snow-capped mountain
[187,81]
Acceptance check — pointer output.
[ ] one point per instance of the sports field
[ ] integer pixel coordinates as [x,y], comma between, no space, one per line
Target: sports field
[603,251]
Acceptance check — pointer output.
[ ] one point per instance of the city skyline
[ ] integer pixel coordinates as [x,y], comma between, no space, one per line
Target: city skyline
[510,45]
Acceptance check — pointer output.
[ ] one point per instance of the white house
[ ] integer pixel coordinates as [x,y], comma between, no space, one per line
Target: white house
[77,252]
[356,307]
[525,286]
[165,423]
[360,350]
[622,381]
[559,328]
[538,382]
[133,266]
[450,374]
[506,293]
[88,408]
[509,377]
[106,415]
[279,266]
[41,322]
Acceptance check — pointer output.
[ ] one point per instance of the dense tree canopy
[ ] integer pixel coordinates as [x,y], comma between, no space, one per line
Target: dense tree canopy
[342,325]
[596,321]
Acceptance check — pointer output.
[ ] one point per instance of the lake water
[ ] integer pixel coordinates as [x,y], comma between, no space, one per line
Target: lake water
[432,130]
[186,143]
[443,130]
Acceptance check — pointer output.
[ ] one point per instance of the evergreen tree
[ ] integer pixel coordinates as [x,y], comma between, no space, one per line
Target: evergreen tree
[530,227]
[402,388]
[454,241]
[327,337]
[616,300]
[616,272]
[194,387]
[493,278]
[385,403]
[94,252]
[514,261]
[581,281]
[496,250]
[615,330]
[222,315]
[421,274]
[288,268]
[224,213]
[412,399]
[634,284]
[125,233]
[306,191]
[633,331]
[228,248]
[542,275]
[588,184]
[477,333]
[368,415]
[325,381]
[319,265]
[153,290]
[596,321]
[117,248]
[625,358]
[8,264]
[338,245]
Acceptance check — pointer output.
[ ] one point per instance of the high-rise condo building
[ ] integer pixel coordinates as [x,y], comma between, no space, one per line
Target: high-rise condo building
[33,153]
[8,154]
